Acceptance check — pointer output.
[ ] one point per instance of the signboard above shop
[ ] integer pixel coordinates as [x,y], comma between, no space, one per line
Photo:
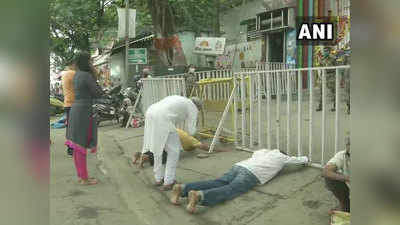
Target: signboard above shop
[137,56]
[209,46]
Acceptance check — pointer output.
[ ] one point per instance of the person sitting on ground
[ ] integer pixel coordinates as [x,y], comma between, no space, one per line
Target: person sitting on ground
[337,177]
[189,143]
[259,169]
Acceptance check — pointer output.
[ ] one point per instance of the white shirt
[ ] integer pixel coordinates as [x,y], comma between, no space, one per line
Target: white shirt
[162,118]
[265,164]
[342,162]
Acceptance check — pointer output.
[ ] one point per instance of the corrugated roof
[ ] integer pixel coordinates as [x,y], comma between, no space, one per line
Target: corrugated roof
[101,59]
[146,38]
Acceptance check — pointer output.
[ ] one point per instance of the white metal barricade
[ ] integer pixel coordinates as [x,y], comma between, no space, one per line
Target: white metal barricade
[273,123]
[219,91]
[222,92]
[155,89]
[215,92]
[272,66]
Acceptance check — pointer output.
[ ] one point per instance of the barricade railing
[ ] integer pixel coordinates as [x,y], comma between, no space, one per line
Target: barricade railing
[155,89]
[181,75]
[218,91]
[274,66]
[256,126]
[222,91]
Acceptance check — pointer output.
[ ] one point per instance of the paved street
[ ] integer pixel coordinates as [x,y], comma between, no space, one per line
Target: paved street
[73,204]
[125,194]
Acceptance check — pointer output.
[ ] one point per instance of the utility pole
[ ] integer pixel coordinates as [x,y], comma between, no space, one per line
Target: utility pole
[126,41]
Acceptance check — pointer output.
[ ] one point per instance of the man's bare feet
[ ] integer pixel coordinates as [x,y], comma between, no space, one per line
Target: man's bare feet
[89,181]
[194,198]
[142,159]
[136,157]
[176,193]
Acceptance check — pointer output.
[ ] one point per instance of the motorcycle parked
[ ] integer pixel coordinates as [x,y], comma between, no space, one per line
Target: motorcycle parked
[108,107]
[130,93]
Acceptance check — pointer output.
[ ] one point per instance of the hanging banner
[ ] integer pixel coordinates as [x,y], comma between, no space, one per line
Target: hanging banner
[209,46]
[291,47]
[122,22]
[248,54]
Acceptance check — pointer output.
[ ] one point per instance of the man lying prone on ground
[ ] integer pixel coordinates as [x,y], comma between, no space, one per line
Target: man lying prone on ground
[189,143]
[243,176]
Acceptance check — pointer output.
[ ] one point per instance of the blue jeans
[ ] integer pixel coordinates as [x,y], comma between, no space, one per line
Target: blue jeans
[235,182]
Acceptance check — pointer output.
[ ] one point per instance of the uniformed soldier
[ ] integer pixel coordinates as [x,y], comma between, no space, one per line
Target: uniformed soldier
[332,60]
[190,80]
[346,77]
[328,59]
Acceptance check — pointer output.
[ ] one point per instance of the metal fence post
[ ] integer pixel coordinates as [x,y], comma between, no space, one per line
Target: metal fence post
[323,115]
[289,102]
[244,106]
[259,109]
[269,130]
[311,111]
[278,109]
[337,106]
[299,113]
[250,97]
[235,109]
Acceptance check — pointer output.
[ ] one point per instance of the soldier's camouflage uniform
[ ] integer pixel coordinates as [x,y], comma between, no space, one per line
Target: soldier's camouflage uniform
[328,60]
[190,81]
[344,75]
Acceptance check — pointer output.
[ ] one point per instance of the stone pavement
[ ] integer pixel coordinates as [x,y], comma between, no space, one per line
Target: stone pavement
[73,204]
[296,196]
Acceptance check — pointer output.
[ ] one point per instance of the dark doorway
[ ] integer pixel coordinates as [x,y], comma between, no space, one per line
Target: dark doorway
[276,45]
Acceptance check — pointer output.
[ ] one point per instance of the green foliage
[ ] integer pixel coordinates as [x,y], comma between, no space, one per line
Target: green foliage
[72,23]
[83,24]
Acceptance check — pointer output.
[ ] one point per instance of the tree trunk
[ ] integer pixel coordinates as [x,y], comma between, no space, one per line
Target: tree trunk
[218,25]
[164,28]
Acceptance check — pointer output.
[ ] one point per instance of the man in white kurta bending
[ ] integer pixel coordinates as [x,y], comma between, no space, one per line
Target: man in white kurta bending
[160,133]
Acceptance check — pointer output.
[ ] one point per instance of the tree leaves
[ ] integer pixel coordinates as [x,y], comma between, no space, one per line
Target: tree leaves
[73,22]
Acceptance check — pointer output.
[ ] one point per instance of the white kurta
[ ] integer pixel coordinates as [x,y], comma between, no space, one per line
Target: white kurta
[161,119]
